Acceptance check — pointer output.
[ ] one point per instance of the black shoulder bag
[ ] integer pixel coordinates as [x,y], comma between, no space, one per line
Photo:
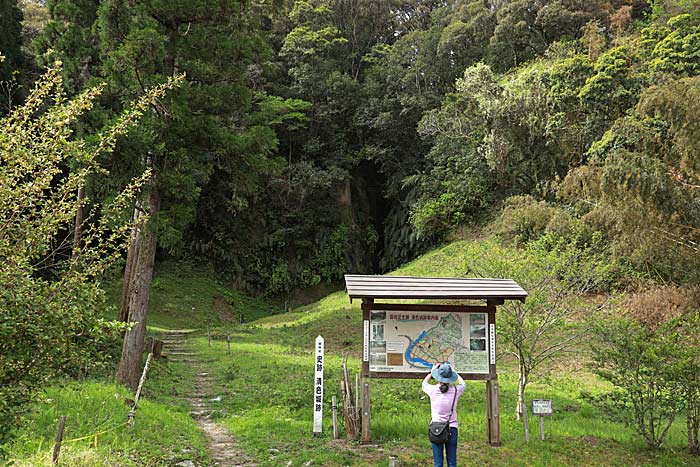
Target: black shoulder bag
[439,432]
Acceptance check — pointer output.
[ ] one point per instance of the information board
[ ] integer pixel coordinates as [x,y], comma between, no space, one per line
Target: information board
[408,341]
[542,407]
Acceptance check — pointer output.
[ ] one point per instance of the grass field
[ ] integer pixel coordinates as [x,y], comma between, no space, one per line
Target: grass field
[265,388]
[163,431]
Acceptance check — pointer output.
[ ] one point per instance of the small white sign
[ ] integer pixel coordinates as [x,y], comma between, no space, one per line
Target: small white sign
[492,343]
[542,407]
[365,342]
[318,386]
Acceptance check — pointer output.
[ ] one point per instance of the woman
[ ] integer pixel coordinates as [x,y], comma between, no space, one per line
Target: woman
[442,396]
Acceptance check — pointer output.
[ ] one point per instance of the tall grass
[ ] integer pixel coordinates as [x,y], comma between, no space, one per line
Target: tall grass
[162,430]
[266,390]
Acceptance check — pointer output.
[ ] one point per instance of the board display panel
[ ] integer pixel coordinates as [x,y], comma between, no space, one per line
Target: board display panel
[410,341]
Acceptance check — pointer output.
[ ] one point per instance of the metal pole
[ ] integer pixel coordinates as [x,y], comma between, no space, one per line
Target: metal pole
[542,427]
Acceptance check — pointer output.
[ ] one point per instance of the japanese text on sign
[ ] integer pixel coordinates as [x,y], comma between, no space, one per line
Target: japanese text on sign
[541,407]
[318,386]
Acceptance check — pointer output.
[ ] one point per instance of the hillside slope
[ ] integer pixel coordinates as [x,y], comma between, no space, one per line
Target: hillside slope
[274,355]
[262,390]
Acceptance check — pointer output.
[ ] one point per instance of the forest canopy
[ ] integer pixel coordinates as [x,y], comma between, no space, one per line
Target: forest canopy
[319,137]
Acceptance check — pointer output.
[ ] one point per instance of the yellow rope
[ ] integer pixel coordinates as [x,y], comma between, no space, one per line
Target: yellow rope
[94,435]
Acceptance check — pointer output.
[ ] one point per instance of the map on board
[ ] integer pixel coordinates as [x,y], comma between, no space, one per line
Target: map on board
[403,341]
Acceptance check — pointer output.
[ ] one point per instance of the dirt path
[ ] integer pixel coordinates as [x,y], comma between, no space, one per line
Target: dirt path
[221,446]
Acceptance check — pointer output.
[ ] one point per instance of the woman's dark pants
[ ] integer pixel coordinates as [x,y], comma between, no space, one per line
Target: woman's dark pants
[450,448]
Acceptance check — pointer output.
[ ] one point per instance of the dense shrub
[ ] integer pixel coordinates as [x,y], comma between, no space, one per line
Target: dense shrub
[523,219]
[655,370]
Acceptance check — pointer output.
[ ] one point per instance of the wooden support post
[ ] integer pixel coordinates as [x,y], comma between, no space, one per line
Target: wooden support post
[366,434]
[59,439]
[365,411]
[493,425]
[334,406]
[492,413]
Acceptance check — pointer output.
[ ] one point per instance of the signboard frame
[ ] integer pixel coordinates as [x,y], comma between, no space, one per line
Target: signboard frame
[489,310]
[493,292]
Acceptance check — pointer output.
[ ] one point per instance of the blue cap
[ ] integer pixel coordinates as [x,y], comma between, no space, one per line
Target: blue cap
[444,373]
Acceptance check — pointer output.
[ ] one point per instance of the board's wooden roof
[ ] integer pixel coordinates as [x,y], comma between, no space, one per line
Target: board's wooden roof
[407,287]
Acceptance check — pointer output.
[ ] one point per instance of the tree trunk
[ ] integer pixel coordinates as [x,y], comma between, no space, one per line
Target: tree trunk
[693,426]
[132,254]
[79,215]
[522,383]
[129,368]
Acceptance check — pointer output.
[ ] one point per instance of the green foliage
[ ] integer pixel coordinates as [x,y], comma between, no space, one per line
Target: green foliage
[526,28]
[676,48]
[69,36]
[629,193]
[523,219]
[636,361]
[682,334]
[331,260]
[612,88]
[404,118]
[438,216]
[50,299]
[10,49]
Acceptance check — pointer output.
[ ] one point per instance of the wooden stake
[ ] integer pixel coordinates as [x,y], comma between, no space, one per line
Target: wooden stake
[334,405]
[357,396]
[59,438]
[157,348]
[366,433]
[349,411]
[228,340]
